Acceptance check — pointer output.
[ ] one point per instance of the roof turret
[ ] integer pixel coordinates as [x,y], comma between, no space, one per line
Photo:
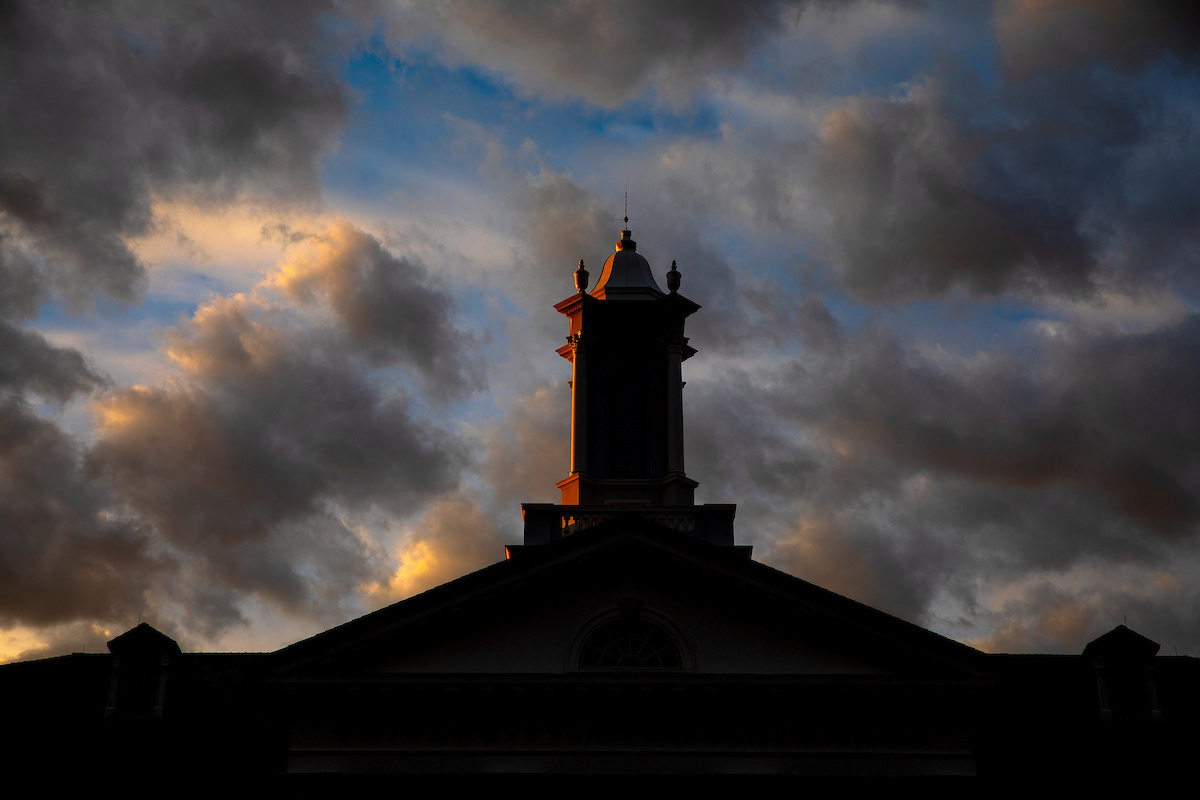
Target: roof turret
[626,272]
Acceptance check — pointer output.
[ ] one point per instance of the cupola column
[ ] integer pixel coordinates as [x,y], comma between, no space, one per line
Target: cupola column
[579,411]
[675,405]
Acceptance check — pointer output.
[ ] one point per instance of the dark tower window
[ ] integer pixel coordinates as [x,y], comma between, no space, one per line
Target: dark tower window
[629,644]
[627,448]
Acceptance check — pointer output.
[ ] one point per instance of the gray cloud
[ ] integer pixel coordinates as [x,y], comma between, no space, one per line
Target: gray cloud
[928,483]
[530,451]
[29,365]
[1125,33]
[608,52]
[105,104]
[565,223]
[105,107]
[66,552]
[926,194]
[604,52]
[256,470]
[388,305]
[911,218]
[916,480]
[22,286]
[1073,180]
[1111,413]
[278,429]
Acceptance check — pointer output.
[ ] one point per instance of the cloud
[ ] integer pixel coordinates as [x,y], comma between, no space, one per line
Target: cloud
[29,365]
[1071,183]
[910,219]
[310,444]
[604,52]
[454,537]
[529,451]
[1061,613]
[919,479]
[106,106]
[1034,36]
[925,194]
[262,456]
[66,551]
[1099,410]
[266,469]
[388,305]
[610,52]
[566,223]
[22,643]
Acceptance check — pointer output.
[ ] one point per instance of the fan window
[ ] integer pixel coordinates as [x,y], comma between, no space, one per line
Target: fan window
[629,644]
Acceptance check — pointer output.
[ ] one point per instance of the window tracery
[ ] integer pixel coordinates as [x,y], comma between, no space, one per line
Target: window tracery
[629,643]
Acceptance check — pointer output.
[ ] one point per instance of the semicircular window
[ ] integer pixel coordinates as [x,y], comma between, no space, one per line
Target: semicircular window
[629,644]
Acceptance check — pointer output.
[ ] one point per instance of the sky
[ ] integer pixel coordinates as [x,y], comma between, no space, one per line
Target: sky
[277,345]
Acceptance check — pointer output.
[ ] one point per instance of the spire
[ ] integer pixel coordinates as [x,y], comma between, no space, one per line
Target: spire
[626,241]
[625,232]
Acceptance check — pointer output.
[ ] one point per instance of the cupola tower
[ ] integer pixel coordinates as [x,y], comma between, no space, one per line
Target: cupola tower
[626,345]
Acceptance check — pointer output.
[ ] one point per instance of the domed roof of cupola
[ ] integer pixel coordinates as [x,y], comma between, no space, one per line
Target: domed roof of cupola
[626,272]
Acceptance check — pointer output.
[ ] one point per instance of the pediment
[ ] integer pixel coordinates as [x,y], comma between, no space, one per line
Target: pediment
[532,615]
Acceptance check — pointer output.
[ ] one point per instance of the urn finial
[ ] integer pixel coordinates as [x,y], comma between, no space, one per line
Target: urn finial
[581,277]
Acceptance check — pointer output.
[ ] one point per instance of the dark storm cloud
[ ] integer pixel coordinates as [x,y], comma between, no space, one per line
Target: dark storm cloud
[387,304]
[909,217]
[277,427]
[104,109]
[104,105]
[1126,33]
[65,551]
[1110,413]
[609,52]
[1059,183]
[908,477]
[925,193]
[530,451]
[29,365]
[567,223]
[603,51]
[21,284]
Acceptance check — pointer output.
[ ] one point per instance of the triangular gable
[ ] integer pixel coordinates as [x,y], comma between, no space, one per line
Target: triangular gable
[730,614]
[143,639]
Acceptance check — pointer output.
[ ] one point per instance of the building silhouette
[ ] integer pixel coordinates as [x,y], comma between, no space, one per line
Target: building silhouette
[627,634]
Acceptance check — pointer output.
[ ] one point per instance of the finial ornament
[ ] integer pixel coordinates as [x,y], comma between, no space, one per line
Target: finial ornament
[673,279]
[581,277]
[626,234]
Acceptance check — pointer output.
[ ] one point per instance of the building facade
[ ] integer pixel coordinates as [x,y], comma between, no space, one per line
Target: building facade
[627,634]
